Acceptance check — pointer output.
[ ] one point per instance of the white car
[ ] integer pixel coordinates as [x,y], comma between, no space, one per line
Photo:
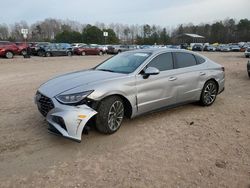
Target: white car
[247,52]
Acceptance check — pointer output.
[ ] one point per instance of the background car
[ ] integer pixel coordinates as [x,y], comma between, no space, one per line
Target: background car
[234,48]
[247,52]
[8,49]
[77,45]
[197,47]
[23,48]
[88,50]
[57,49]
[209,48]
[38,48]
[116,49]
[225,48]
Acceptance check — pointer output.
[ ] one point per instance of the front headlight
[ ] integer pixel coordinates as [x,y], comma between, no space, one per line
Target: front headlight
[73,98]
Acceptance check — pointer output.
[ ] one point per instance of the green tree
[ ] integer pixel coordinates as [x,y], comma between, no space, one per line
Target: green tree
[69,37]
[92,35]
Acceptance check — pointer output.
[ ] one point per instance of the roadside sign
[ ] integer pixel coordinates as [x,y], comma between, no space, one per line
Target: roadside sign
[24,31]
[105,34]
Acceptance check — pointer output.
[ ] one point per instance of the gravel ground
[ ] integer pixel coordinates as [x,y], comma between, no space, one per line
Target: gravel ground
[189,146]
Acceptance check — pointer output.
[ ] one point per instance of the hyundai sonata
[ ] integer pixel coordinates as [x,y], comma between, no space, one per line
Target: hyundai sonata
[127,85]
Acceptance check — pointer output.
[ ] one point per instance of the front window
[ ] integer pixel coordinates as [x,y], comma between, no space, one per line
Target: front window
[124,62]
[162,62]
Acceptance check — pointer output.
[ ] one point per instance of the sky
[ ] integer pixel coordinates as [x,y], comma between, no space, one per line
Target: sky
[158,12]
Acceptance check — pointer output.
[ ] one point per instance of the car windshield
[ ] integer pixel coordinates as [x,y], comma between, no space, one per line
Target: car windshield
[124,62]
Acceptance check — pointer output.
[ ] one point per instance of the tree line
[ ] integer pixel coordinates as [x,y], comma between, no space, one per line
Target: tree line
[55,30]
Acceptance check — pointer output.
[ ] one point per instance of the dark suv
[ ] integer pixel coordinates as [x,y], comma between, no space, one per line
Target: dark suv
[197,47]
[38,48]
[56,49]
[8,49]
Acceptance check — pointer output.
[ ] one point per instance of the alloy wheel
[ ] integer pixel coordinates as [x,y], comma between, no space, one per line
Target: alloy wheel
[210,93]
[115,115]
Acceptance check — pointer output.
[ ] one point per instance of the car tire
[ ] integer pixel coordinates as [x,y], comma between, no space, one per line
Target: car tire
[9,55]
[247,56]
[40,53]
[110,115]
[83,53]
[209,93]
[48,54]
[23,52]
[100,53]
[69,53]
[119,51]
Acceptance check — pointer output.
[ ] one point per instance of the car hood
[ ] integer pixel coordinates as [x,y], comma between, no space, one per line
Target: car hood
[63,83]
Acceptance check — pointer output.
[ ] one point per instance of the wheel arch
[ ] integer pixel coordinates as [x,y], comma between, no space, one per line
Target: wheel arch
[127,104]
[215,81]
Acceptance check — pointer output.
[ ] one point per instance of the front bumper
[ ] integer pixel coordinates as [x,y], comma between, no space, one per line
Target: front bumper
[68,121]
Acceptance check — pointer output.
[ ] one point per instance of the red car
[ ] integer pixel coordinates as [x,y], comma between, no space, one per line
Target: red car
[8,49]
[88,50]
[22,48]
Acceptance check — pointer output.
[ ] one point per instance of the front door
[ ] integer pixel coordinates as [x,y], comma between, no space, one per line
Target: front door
[157,91]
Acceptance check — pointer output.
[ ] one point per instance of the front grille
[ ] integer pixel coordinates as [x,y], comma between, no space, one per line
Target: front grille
[44,104]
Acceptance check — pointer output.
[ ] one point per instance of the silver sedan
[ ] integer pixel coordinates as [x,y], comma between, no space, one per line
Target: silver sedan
[127,85]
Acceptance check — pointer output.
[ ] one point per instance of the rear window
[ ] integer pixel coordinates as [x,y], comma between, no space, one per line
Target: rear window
[199,59]
[184,60]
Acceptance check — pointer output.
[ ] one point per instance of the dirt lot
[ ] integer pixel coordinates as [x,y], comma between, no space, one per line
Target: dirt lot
[189,146]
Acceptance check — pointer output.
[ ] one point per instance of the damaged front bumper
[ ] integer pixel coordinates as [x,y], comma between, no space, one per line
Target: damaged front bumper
[68,121]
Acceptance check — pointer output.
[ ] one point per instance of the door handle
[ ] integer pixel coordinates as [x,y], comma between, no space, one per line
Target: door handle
[202,73]
[172,79]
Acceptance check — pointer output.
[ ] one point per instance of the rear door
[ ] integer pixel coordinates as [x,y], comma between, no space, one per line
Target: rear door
[157,91]
[187,76]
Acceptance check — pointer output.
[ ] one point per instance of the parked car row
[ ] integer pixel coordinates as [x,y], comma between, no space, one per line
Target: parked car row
[46,49]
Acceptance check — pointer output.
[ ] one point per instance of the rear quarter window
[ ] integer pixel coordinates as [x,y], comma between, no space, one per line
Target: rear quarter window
[199,59]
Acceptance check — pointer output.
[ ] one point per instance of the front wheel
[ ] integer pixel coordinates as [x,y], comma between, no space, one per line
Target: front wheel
[100,53]
[83,53]
[110,115]
[209,93]
[9,55]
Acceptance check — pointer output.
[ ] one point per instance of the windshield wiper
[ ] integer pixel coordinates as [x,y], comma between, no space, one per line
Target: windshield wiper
[107,70]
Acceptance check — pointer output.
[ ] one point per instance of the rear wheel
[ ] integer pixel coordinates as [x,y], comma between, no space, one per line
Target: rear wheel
[100,53]
[24,52]
[69,53]
[9,55]
[40,53]
[48,54]
[110,115]
[83,53]
[209,93]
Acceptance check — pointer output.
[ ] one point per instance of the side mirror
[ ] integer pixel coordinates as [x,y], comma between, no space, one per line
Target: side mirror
[150,71]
